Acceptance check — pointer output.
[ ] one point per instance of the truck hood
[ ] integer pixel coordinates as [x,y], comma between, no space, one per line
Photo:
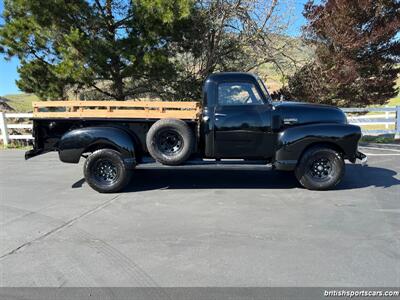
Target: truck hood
[299,113]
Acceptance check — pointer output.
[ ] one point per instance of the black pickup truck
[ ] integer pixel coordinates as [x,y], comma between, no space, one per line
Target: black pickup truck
[238,120]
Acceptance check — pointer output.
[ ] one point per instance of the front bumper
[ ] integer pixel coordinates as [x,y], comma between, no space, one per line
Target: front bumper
[361,156]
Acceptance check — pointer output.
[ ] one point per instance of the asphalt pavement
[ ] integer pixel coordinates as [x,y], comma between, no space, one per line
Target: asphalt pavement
[198,226]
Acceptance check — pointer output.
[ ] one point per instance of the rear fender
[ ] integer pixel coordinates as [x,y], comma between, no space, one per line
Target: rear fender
[294,140]
[74,143]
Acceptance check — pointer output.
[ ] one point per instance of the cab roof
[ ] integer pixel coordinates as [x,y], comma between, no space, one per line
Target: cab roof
[230,76]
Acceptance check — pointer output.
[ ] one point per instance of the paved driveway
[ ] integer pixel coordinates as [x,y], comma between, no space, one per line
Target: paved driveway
[229,226]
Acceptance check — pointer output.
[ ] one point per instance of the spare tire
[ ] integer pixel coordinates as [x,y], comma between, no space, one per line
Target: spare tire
[170,141]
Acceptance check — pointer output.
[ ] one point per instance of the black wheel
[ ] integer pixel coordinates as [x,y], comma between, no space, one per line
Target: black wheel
[170,141]
[105,171]
[320,168]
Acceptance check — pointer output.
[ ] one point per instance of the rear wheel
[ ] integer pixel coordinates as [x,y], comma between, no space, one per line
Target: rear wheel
[320,168]
[170,141]
[105,171]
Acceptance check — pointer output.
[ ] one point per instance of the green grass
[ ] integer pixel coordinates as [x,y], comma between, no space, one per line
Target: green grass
[394,101]
[380,139]
[18,146]
[21,102]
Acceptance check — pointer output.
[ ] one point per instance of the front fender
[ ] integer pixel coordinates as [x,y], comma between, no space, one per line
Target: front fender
[74,143]
[294,140]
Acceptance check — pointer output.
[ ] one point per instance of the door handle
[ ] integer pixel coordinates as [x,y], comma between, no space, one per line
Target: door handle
[219,115]
[290,121]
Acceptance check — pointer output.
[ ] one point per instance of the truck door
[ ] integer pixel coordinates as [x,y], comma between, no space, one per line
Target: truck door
[242,122]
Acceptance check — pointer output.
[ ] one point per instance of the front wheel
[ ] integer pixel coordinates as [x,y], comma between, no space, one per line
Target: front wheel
[320,168]
[105,171]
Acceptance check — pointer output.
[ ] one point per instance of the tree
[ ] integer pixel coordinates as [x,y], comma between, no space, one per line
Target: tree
[111,46]
[236,35]
[356,52]
[119,49]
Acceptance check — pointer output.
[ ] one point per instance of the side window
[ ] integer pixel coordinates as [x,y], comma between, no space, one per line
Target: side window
[238,93]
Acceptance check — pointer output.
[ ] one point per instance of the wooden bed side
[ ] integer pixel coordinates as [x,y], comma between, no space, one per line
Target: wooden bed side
[117,109]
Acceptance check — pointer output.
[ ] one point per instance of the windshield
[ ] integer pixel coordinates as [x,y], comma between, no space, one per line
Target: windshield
[264,89]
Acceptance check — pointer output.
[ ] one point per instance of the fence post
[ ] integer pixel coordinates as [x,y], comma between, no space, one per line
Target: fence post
[387,117]
[397,134]
[3,128]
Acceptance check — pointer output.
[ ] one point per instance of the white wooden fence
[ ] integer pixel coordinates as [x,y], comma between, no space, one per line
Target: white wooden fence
[390,119]
[5,126]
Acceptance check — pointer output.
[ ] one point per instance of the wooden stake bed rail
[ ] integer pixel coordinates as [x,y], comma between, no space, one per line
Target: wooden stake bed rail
[117,109]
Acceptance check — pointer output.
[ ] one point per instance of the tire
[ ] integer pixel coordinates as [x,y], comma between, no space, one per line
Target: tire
[320,168]
[105,171]
[170,141]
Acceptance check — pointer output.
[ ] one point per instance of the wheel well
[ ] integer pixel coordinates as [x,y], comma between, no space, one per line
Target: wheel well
[99,146]
[329,145]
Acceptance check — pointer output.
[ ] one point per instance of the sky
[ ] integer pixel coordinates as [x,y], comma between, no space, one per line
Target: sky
[9,73]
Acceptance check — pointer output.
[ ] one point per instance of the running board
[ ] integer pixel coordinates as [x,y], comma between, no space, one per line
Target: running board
[215,162]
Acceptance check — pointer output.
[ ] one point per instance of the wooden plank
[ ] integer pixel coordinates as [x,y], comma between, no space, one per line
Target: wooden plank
[155,114]
[138,104]
[56,115]
[151,114]
[119,109]
[55,104]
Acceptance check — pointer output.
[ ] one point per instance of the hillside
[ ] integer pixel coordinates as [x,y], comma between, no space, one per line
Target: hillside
[21,102]
[296,54]
[4,105]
